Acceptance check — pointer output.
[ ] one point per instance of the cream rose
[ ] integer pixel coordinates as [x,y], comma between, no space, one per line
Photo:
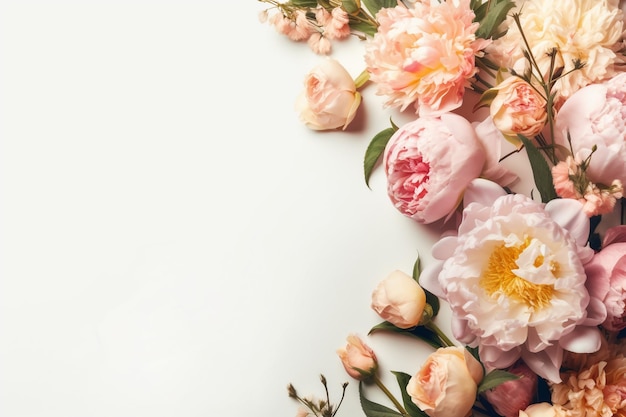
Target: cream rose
[400,300]
[357,358]
[542,410]
[518,108]
[446,385]
[330,99]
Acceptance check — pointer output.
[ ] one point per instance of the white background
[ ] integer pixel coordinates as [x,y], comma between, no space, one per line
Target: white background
[174,242]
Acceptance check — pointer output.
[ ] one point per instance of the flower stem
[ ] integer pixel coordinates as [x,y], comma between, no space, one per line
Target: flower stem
[440,334]
[389,395]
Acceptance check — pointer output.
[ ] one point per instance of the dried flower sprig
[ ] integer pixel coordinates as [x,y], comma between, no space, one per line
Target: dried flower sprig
[318,407]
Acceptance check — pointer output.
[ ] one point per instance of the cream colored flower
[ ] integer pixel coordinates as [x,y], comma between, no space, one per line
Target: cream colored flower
[589,30]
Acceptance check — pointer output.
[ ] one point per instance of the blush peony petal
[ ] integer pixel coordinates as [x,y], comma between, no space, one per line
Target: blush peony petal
[614,234]
[482,191]
[582,340]
[429,279]
[569,215]
[546,364]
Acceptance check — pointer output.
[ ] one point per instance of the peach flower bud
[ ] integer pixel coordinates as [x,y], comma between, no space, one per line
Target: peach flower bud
[330,99]
[512,396]
[543,410]
[447,383]
[518,108]
[400,300]
[358,359]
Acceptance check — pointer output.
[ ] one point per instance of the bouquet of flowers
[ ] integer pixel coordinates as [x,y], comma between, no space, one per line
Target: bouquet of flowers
[535,282]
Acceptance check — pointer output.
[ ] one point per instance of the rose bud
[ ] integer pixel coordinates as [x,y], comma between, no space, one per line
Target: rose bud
[400,300]
[447,383]
[518,108]
[358,359]
[330,99]
[512,396]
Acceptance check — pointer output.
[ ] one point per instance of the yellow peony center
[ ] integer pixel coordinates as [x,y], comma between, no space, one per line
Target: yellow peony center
[499,278]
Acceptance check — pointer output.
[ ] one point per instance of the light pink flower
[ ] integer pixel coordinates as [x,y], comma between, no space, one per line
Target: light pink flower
[330,99]
[596,116]
[543,410]
[319,44]
[300,28]
[607,277]
[424,55]
[518,108]
[337,27]
[492,139]
[514,279]
[357,358]
[399,299]
[446,385]
[429,162]
[512,396]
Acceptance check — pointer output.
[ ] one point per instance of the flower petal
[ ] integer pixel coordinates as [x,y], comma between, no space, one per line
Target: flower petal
[482,191]
[569,215]
[583,339]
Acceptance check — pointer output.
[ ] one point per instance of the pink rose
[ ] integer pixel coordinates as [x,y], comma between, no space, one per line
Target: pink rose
[447,383]
[596,116]
[330,99]
[518,108]
[429,162]
[400,300]
[512,396]
[606,277]
[424,54]
[358,359]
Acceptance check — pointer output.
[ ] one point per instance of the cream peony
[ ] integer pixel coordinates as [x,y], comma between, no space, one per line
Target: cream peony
[330,99]
[446,385]
[399,299]
[424,54]
[571,26]
[514,279]
[429,162]
[543,410]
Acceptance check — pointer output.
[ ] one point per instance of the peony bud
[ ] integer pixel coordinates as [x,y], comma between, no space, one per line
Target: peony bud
[512,396]
[358,359]
[400,300]
[330,99]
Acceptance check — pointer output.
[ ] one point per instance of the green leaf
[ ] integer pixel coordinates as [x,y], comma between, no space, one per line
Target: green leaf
[310,4]
[350,6]
[486,98]
[541,170]
[493,18]
[419,332]
[373,6]
[363,27]
[374,151]
[495,378]
[409,405]
[372,409]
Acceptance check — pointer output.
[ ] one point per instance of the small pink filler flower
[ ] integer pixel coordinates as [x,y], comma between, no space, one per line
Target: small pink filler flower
[424,54]
[429,162]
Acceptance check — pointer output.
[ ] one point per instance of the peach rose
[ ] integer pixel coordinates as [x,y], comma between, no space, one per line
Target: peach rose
[606,277]
[330,99]
[518,108]
[400,300]
[542,410]
[447,383]
[429,162]
[357,358]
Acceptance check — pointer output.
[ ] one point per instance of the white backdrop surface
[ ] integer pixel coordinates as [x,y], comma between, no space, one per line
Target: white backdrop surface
[174,242]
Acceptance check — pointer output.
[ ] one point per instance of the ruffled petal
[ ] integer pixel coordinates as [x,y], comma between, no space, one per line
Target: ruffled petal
[568,214]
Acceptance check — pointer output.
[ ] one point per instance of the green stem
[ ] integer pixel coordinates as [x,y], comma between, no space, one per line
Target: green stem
[363,77]
[442,336]
[389,395]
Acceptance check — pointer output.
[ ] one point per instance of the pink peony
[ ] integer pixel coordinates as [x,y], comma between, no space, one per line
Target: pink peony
[429,162]
[515,281]
[512,396]
[518,108]
[596,116]
[424,54]
[607,277]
